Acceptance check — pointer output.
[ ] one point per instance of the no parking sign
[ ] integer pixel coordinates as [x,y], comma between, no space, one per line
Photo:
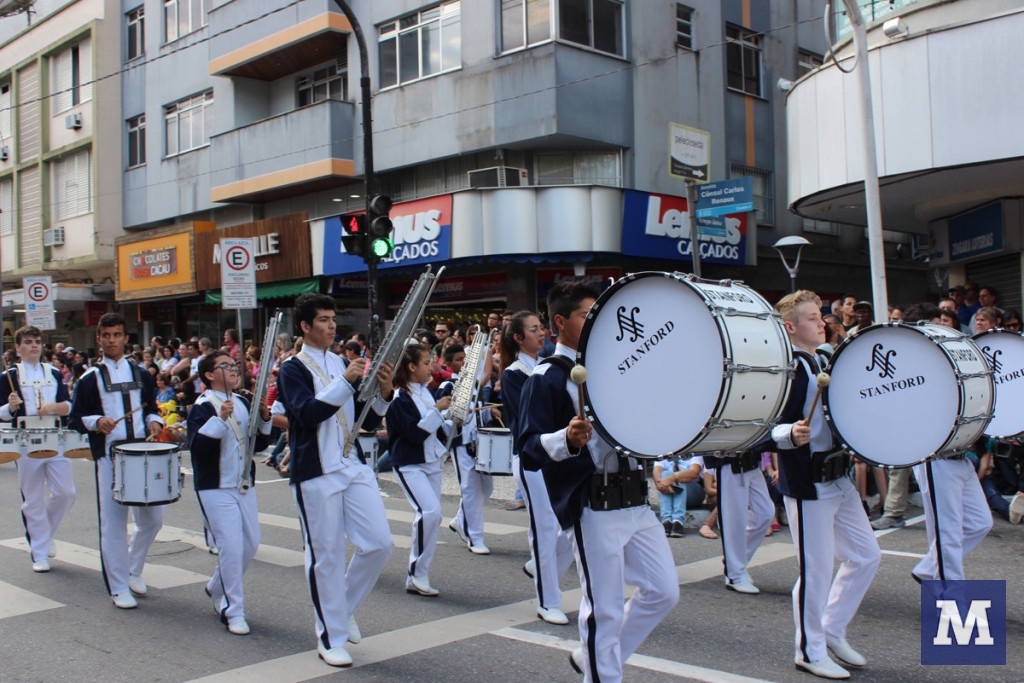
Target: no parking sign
[238,272]
[39,303]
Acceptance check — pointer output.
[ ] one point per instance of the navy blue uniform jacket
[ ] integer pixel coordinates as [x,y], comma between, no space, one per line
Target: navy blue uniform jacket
[87,402]
[795,465]
[405,439]
[206,451]
[512,382]
[62,389]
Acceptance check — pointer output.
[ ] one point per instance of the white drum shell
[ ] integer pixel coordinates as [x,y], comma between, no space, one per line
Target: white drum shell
[146,473]
[494,451]
[11,440]
[708,372]
[74,444]
[933,398]
[41,435]
[1004,352]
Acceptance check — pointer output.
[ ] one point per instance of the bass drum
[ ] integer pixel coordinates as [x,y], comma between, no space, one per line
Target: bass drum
[900,394]
[1004,352]
[676,364]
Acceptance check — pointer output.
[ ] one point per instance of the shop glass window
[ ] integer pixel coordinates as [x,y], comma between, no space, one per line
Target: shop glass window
[743,60]
[419,45]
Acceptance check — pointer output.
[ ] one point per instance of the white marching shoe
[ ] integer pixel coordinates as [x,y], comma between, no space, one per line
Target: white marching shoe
[746,586]
[823,668]
[137,585]
[240,627]
[124,601]
[846,654]
[576,659]
[552,615]
[421,587]
[354,635]
[41,566]
[530,568]
[336,656]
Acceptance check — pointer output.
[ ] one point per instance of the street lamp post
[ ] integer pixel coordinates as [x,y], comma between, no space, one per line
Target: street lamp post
[791,241]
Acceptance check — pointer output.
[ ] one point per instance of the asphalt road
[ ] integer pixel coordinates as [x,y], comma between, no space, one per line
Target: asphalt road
[61,626]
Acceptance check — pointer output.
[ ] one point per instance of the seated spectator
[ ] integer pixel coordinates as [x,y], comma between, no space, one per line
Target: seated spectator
[677,479]
[707,530]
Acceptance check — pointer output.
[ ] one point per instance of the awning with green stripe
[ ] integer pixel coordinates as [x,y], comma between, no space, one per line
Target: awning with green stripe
[274,290]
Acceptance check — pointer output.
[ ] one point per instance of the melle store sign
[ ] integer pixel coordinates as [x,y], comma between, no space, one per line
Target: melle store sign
[153,263]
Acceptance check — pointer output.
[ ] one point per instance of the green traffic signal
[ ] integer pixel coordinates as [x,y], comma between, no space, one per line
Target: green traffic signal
[382,247]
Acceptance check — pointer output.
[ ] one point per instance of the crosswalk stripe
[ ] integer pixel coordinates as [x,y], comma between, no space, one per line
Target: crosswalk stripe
[156,575]
[270,554]
[15,601]
[901,553]
[667,666]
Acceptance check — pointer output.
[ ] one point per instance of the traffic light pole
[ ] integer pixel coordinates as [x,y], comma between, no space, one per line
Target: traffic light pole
[368,175]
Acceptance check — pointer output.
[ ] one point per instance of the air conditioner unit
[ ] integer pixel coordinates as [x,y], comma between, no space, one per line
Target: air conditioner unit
[54,237]
[73,121]
[5,153]
[499,176]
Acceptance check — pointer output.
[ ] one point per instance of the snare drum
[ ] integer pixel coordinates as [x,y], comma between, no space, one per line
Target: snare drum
[1004,352]
[42,435]
[75,445]
[676,364]
[494,451]
[900,394]
[11,441]
[146,473]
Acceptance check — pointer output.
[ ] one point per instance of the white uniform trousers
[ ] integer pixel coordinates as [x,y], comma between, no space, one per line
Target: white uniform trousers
[613,548]
[232,521]
[42,516]
[833,527]
[118,560]
[422,485]
[476,488]
[550,547]
[332,506]
[956,516]
[745,511]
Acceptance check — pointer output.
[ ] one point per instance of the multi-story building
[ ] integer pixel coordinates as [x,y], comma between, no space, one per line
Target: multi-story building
[60,200]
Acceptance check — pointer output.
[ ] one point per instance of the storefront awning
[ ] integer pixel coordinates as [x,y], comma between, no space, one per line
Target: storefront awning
[274,290]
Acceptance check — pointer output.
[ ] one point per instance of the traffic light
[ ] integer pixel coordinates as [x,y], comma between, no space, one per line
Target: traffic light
[354,235]
[380,227]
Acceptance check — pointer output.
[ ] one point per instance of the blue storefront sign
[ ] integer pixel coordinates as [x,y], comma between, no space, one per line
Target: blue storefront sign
[423,234]
[977,232]
[658,226]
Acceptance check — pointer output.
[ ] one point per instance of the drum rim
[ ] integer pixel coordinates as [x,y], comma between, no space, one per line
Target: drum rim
[975,337]
[154,448]
[686,279]
[920,329]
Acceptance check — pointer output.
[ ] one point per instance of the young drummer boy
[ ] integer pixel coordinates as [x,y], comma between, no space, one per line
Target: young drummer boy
[218,426]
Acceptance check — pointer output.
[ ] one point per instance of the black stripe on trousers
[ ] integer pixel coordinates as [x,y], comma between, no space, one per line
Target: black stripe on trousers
[591,620]
[803,576]
[535,548]
[99,518]
[28,536]
[419,524]
[209,530]
[311,574]
[458,476]
[721,523]
[935,516]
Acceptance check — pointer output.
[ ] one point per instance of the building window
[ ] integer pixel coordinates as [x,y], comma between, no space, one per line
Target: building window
[684,27]
[71,78]
[188,123]
[137,141]
[578,168]
[136,33]
[822,227]
[594,23]
[5,112]
[764,191]
[328,83]
[524,22]
[6,207]
[420,45]
[72,186]
[182,17]
[808,62]
[743,60]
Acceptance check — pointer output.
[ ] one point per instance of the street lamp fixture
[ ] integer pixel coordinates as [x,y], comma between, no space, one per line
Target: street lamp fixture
[789,242]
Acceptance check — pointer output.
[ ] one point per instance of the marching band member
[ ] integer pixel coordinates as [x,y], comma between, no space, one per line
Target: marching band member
[218,427]
[826,518]
[416,438]
[550,547]
[115,402]
[336,494]
[615,543]
[745,511]
[476,487]
[38,389]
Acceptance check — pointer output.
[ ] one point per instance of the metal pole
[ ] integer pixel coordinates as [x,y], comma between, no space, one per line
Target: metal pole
[368,175]
[241,342]
[691,210]
[872,200]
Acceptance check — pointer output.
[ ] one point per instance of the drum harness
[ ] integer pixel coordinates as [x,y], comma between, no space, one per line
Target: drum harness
[626,488]
[826,466]
[125,389]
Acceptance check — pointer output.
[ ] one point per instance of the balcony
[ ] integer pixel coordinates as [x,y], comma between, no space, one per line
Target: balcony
[305,150]
[281,42]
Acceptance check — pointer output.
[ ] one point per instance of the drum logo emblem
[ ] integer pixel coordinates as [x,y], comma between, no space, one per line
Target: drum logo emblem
[629,325]
[881,361]
[993,358]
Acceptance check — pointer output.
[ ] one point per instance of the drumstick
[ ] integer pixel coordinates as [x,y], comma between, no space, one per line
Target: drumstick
[822,379]
[131,412]
[579,376]
[485,407]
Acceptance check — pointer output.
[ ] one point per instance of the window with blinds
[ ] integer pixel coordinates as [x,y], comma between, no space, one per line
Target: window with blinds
[72,186]
[6,207]
[71,77]
[5,111]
